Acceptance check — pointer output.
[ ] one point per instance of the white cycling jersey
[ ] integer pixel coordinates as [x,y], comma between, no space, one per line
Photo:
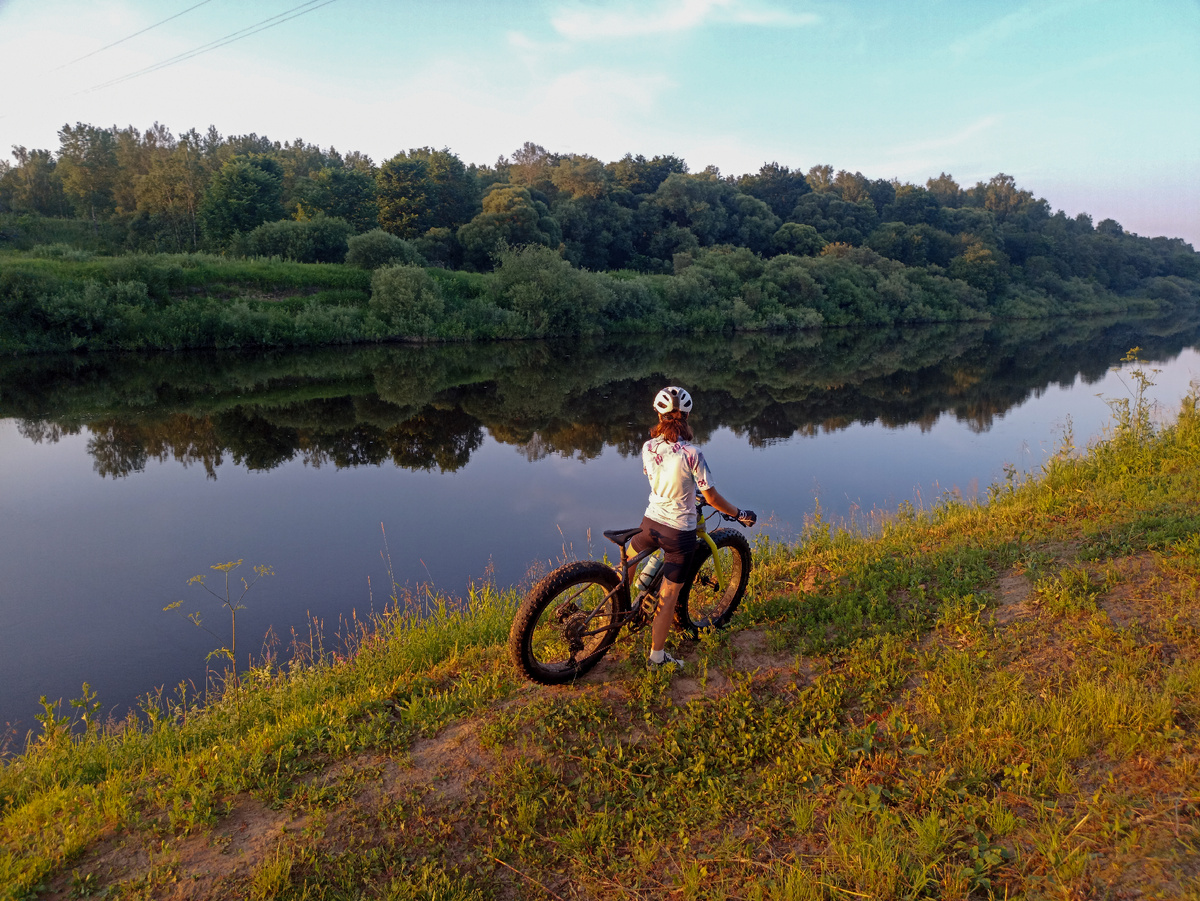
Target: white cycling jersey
[676,472]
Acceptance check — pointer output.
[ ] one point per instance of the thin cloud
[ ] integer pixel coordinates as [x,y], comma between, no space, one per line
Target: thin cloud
[599,111]
[1026,18]
[1100,63]
[670,17]
[964,152]
[955,139]
[520,41]
[605,92]
[603,112]
[533,52]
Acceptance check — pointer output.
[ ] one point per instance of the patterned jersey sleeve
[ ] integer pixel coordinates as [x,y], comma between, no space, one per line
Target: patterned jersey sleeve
[700,471]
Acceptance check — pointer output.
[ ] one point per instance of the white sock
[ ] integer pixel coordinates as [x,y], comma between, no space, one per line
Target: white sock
[658,656]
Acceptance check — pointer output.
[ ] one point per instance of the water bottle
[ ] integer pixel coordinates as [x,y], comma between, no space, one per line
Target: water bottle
[649,571]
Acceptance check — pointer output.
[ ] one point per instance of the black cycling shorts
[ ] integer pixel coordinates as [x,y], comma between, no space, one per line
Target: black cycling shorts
[677,546]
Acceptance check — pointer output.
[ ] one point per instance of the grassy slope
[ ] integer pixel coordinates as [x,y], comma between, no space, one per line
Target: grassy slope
[972,701]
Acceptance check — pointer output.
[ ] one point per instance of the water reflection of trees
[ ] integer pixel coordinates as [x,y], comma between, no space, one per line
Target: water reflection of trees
[428,407]
[257,440]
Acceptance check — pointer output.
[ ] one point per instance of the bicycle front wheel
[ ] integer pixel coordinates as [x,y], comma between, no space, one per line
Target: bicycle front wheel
[709,603]
[566,624]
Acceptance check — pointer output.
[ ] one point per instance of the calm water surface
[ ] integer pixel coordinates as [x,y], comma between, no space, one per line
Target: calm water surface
[121,477]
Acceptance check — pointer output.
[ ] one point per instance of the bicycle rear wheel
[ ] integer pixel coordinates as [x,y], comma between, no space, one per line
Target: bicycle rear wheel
[567,623]
[704,603]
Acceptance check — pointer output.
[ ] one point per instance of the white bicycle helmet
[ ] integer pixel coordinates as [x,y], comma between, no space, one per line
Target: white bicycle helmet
[673,398]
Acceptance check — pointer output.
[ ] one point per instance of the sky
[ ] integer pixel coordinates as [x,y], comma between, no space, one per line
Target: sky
[1092,104]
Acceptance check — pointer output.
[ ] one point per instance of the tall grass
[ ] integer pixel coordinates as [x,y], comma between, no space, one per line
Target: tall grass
[172,764]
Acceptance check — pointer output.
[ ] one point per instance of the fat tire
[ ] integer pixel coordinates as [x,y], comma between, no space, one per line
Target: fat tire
[700,606]
[537,642]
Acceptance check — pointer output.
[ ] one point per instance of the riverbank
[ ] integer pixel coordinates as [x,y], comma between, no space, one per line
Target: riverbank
[970,700]
[59,298]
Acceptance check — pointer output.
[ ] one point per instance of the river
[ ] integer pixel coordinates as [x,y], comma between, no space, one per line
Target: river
[122,476]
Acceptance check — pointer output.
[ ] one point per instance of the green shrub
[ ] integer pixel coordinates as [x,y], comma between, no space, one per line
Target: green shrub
[377,248]
[1173,290]
[690,290]
[795,285]
[629,301]
[407,299]
[319,240]
[550,294]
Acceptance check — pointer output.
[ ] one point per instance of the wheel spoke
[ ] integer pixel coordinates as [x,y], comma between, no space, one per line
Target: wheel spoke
[567,623]
[718,583]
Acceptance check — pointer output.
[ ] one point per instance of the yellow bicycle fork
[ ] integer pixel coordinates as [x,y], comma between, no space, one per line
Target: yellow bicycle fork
[702,529]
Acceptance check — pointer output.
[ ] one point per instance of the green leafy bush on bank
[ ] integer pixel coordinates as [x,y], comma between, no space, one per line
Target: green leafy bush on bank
[377,248]
[321,240]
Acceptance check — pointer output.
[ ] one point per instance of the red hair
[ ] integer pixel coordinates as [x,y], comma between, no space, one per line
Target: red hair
[672,426]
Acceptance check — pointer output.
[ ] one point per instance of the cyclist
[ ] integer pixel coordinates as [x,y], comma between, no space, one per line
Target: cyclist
[676,470]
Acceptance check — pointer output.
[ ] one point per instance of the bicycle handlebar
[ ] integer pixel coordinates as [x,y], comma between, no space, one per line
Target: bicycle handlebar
[746,518]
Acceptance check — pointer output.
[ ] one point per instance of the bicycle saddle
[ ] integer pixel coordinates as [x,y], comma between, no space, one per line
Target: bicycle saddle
[621,536]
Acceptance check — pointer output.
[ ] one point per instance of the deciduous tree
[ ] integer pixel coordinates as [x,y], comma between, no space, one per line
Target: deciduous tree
[87,164]
[171,191]
[510,215]
[639,175]
[244,194]
[423,189]
[34,184]
[777,186]
[798,239]
[820,177]
[341,192]
[945,189]
[580,176]
[532,166]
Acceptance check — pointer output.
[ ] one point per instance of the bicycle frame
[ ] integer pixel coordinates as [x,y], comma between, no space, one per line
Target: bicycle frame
[628,563]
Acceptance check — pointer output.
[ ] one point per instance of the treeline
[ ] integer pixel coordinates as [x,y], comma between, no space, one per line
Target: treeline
[775,249]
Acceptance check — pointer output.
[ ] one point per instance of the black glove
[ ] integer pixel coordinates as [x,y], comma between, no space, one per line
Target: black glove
[746,518]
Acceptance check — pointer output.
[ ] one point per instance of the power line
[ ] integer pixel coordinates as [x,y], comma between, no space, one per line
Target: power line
[285,16]
[128,37]
[246,32]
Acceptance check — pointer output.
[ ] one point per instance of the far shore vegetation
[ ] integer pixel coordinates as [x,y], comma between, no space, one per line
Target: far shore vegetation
[130,239]
[996,699]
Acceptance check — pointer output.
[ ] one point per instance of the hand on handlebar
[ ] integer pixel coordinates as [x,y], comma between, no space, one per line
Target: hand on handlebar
[745,517]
